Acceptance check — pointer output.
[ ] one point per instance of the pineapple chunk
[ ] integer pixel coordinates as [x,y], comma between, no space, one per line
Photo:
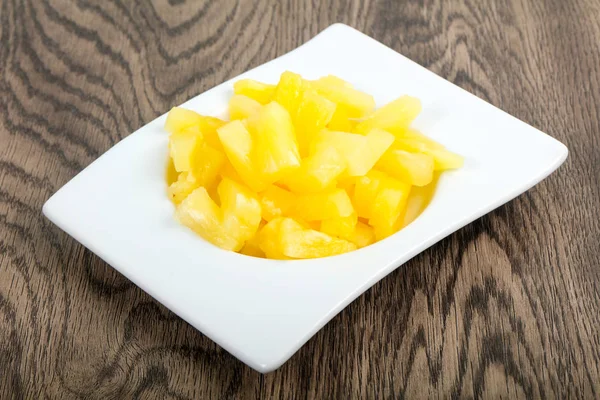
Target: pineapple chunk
[261,92]
[443,159]
[393,117]
[241,209]
[290,91]
[269,239]
[379,198]
[179,119]
[252,246]
[207,165]
[341,227]
[313,115]
[208,127]
[201,214]
[388,205]
[362,235]
[298,242]
[418,199]
[360,152]
[242,107]
[317,172]
[237,143]
[275,202]
[357,104]
[331,80]
[419,137]
[365,192]
[275,151]
[341,121]
[315,207]
[413,168]
[182,187]
[184,147]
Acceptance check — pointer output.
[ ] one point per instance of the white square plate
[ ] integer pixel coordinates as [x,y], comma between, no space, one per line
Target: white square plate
[262,311]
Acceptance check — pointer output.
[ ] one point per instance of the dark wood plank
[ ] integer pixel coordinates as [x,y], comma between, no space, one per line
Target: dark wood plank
[507,307]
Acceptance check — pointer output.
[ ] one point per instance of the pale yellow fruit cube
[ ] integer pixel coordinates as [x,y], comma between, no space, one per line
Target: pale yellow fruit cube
[413,168]
[341,227]
[393,117]
[275,151]
[241,209]
[238,145]
[313,114]
[290,91]
[362,235]
[182,187]
[179,119]
[201,214]
[388,205]
[269,239]
[183,148]
[360,152]
[242,107]
[315,207]
[443,159]
[357,104]
[298,242]
[275,202]
[261,92]
[317,172]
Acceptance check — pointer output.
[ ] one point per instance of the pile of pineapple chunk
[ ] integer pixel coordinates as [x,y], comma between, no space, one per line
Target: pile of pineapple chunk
[303,169]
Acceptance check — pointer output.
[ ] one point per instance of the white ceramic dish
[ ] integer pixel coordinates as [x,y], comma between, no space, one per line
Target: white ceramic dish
[262,311]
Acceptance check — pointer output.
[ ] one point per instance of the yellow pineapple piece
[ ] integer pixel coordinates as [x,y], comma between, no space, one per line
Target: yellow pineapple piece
[242,107]
[269,239]
[365,192]
[320,206]
[298,242]
[413,168]
[241,209]
[341,227]
[313,114]
[341,120]
[289,92]
[252,246]
[207,165]
[331,80]
[183,148]
[179,119]
[388,205]
[275,150]
[357,104]
[362,235]
[208,127]
[393,117]
[275,202]
[261,92]
[360,152]
[237,143]
[228,171]
[182,187]
[201,214]
[317,172]
[443,159]
[418,199]
[415,135]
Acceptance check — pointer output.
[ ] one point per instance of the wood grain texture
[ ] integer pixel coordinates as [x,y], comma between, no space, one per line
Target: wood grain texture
[507,307]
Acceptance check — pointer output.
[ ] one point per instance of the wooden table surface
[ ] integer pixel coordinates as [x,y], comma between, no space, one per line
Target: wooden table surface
[508,306]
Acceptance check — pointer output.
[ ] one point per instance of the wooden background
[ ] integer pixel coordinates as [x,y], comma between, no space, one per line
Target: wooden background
[508,306]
